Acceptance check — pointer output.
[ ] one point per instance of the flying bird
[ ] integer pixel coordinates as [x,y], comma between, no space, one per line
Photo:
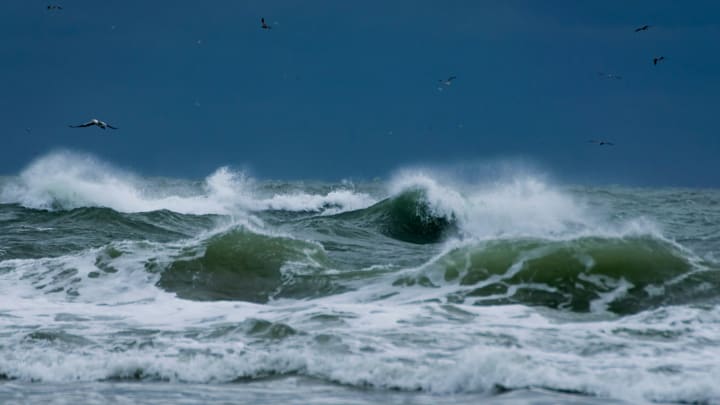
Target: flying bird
[54,7]
[643,28]
[264,25]
[447,81]
[609,76]
[657,59]
[601,143]
[95,122]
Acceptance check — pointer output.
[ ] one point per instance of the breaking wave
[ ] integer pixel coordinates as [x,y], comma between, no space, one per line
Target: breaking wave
[68,180]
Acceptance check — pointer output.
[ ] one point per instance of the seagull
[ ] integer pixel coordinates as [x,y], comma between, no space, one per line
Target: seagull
[447,81]
[609,76]
[643,28]
[658,59]
[601,143]
[95,122]
[54,7]
[264,25]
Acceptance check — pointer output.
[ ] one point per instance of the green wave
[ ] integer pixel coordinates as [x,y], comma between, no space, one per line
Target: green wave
[246,266]
[622,275]
[407,217]
[63,232]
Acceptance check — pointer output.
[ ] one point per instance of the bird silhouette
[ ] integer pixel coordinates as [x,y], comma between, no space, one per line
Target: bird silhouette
[643,28]
[264,25]
[96,122]
[601,143]
[448,81]
[657,59]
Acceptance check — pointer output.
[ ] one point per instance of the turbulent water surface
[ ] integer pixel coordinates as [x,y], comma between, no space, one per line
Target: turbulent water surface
[419,289]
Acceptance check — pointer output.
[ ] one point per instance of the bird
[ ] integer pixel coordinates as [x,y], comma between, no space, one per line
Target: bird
[643,28]
[447,81]
[601,143]
[95,122]
[264,25]
[609,76]
[658,59]
[54,7]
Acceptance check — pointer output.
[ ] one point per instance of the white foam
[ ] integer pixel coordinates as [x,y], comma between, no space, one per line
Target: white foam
[520,206]
[407,341]
[331,203]
[68,180]
[409,347]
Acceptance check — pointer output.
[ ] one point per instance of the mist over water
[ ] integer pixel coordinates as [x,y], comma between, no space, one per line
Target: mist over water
[425,283]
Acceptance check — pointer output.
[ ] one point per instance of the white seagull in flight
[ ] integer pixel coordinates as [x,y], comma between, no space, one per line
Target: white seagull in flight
[446,82]
[95,122]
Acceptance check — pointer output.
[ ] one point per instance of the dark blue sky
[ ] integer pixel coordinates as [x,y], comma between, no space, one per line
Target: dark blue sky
[343,89]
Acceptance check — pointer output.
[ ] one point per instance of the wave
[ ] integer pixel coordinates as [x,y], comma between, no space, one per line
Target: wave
[515,206]
[69,180]
[621,275]
[510,240]
[234,263]
[418,207]
[243,265]
[490,357]
[66,231]
[426,208]
[407,217]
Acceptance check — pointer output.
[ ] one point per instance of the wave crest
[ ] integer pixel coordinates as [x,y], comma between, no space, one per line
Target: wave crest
[522,206]
[69,180]
[620,275]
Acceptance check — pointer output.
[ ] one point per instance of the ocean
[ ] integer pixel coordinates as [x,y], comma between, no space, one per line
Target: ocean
[423,287]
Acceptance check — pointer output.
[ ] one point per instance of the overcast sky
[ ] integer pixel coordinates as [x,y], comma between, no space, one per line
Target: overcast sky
[349,89]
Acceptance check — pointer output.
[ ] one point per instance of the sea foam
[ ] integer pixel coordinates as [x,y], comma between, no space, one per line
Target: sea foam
[514,206]
[68,180]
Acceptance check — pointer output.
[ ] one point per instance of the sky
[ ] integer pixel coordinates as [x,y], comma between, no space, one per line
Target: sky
[349,89]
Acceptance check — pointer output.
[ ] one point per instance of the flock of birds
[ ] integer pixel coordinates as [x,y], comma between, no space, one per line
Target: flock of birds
[443,83]
[656,60]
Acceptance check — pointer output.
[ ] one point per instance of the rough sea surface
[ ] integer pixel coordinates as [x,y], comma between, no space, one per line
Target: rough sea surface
[423,288]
